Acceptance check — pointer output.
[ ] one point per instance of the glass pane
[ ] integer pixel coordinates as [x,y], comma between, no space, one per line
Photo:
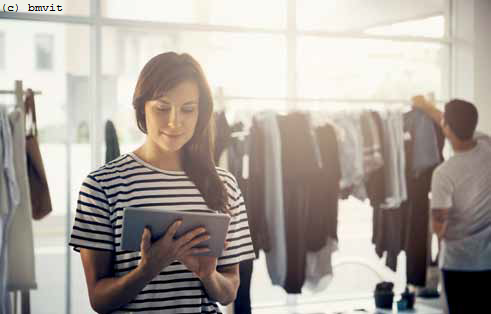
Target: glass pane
[65,7]
[44,51]
[253,13]
[357,16]
[230,61]
[54,108]
[370,69]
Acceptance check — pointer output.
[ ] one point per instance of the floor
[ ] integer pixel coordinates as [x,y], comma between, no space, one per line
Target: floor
[351,307]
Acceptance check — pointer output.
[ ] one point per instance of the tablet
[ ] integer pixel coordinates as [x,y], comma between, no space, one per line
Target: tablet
[159,220]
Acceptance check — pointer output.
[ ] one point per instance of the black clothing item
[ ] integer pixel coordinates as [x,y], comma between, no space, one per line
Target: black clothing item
[417,222]
[299,167]
[255,201]
[386,223]
[416,219]
[236,151]
[463,293]
[404,228]
[235,155]
[390,232]
[323,219]
[242,304]
[112,143]
[222,135]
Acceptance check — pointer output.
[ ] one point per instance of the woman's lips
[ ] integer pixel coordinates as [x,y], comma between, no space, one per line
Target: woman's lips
[172,134]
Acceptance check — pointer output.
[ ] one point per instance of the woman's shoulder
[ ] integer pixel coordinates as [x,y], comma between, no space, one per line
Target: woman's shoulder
[227,178]
[224,174]
[120,164]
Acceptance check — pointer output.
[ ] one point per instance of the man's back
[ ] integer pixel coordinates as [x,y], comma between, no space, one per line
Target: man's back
[463,184]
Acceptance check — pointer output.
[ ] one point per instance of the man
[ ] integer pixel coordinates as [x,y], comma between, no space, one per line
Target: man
[461,206]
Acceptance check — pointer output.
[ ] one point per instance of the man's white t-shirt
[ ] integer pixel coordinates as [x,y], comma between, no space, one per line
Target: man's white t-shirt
[463,185]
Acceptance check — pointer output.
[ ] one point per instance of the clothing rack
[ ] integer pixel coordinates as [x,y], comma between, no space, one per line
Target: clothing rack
[19,93]
[25,299]
[221,100]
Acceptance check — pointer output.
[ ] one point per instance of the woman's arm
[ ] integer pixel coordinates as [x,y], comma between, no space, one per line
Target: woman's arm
[107,293]
[222,284]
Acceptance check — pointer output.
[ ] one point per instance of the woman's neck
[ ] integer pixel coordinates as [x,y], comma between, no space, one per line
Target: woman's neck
[154,155]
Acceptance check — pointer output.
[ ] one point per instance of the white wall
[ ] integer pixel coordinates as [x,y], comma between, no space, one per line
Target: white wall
[482,62]
[471,56]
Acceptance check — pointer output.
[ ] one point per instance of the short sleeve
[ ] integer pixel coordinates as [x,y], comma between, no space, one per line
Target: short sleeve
[240,246]
[92,228]
[441,190]
[482,137]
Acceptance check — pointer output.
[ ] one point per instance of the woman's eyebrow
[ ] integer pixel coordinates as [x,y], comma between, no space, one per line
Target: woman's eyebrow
[163,100]
[190,102]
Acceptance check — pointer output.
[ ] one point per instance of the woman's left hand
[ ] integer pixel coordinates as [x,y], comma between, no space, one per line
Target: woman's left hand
[201,266]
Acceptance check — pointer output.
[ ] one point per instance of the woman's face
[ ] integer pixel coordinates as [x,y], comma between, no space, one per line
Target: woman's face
[172,118]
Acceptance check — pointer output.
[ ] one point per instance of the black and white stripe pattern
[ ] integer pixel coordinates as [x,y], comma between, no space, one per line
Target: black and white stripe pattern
[129,181]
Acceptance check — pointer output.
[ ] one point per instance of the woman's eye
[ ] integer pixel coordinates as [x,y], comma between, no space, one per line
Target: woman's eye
[163,108]
[188,108]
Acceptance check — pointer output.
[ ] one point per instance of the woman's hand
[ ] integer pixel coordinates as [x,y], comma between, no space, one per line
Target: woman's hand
[160,254]
[201,266]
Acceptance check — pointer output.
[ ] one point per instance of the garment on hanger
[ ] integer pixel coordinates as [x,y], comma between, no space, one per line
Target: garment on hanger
[7,164]
[276,258]
[256,198]
[351,155]
[234,157]
[299,167]
[242,303]
[38,183]
[112,143]
[386,189]
[372,157]
[9,201]
[395,181]
[327,213]
[318,274]
[222,134]
[427,140]
[425,149]
[20,237]
[376,180]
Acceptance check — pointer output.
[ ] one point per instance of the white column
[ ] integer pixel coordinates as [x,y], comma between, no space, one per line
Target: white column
[482,62]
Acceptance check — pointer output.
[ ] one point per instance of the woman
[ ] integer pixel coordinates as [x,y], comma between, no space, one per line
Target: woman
[173,169]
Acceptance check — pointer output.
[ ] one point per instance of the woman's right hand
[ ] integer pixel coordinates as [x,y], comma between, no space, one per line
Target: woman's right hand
[160,254]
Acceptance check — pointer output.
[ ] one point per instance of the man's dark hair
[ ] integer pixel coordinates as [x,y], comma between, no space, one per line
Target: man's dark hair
[461,116]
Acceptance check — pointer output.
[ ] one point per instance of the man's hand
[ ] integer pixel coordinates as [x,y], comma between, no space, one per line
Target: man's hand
[427,107]
[420,102]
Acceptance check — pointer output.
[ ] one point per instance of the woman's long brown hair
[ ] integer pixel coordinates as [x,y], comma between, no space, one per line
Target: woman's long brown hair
[161,73]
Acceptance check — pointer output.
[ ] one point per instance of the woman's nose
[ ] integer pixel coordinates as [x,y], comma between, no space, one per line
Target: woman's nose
[174,118]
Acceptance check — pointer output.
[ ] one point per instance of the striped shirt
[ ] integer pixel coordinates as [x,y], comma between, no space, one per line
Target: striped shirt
[129,181]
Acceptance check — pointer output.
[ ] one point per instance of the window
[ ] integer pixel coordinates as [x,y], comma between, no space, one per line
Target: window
[44,51]
[344,68]
[253,13]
